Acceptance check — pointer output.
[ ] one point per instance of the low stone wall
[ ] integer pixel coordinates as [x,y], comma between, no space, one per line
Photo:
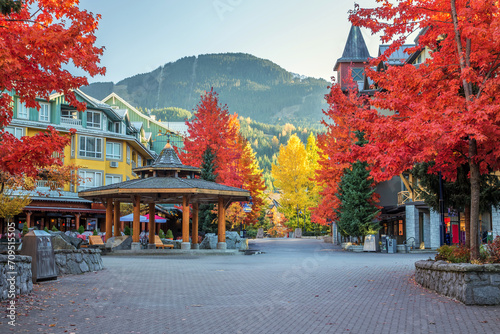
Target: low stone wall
[79,261]
[22,268]
[469,283]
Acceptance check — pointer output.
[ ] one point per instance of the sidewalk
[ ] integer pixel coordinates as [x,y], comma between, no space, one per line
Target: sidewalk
[296,286]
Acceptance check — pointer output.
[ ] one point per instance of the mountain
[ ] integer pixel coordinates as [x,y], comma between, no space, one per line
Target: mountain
[250,86]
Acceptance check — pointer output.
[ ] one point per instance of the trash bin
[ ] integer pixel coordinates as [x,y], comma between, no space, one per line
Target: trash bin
[383,246]
[244,233]
[38,245]
[392,246]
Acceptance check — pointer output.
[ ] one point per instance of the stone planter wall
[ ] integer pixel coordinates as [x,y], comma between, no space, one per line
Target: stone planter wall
[79,261]
[23,283]
[469,283]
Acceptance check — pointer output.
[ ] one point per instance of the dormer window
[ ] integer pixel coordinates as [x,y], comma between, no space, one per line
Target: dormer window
[22,111]
[93,119]
[44,113]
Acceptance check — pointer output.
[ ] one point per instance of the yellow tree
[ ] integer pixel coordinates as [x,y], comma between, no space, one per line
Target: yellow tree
[290,175]
[313,189]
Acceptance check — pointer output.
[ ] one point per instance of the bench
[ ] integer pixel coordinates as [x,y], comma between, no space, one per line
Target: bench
[160,244]
[95,241]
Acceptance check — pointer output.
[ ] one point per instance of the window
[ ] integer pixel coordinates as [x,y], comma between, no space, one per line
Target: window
[22,111]
[15,131]
[105,121]
[73,114]
[113,150]
[44,113]
[111,179]
[73,144]
[128,154]
[117,127]
[90,179]
[90,147]
[357,74]
[93,119]
[139,161]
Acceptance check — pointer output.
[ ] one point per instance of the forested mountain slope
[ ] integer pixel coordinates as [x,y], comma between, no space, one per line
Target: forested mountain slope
[250,86]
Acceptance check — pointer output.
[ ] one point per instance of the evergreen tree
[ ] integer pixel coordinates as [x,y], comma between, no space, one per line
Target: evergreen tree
[206,215]
[357,208]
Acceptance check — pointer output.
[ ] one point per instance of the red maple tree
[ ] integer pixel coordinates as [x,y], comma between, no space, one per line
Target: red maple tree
[38,39]
[336,145]
[445,110]
[213,126]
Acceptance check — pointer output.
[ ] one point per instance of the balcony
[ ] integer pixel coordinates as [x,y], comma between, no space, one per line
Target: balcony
[45,184]
[71,121]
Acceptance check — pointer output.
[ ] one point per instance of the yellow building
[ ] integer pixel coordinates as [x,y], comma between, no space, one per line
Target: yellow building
[107,145]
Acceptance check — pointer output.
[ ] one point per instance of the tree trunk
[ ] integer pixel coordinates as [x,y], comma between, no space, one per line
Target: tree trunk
[474,200]
[467,226]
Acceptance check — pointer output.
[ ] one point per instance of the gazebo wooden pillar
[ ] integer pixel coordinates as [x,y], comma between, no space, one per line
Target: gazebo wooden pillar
[28,218]
[185,223]
[77,220]
[221,226]
[116,219]
[152,226]
[136,224]
[194,233]
[109,218]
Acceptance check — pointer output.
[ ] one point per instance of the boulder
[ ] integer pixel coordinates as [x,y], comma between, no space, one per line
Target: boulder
[233,241]
[76,242]
[59,243]
[119,243]
[176,243]
[260,233]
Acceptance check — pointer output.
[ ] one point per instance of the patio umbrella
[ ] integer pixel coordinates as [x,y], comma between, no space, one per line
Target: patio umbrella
[158,219]
[130,218]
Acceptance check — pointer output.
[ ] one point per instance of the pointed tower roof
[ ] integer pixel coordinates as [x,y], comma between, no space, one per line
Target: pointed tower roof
[355,50]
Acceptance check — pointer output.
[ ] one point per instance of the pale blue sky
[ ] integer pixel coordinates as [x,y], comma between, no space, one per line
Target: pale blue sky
[304,37]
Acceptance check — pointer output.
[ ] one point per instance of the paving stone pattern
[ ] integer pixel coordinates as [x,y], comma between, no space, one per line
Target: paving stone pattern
[296,286]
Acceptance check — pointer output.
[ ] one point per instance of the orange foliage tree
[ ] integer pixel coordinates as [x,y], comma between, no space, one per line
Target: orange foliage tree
[445,110]
[38,38]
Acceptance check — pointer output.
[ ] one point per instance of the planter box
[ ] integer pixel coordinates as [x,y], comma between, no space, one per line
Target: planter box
[469,283]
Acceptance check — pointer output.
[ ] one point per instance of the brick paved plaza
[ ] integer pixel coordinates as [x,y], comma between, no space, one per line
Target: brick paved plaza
[297,286]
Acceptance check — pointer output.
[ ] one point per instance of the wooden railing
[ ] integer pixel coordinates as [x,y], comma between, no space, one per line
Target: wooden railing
[406,196]
[71,121]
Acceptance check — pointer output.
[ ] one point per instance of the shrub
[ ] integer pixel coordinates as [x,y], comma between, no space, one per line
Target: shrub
[95,232]
[46,229]
[493,251]
[169,234]
[453,254]
[25,229]
[161,234]
[444,252]
[127,231]
[81,229]
[54,229]
[460,254]
[251,234]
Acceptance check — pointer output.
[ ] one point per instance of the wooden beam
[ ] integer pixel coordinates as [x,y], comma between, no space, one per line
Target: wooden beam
[109,218]
[136,223]
[152,225]
[221,224]
[185,219]
[194,233]
[117,218]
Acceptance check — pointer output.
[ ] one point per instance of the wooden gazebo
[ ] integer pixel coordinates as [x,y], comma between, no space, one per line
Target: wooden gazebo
[167,180]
